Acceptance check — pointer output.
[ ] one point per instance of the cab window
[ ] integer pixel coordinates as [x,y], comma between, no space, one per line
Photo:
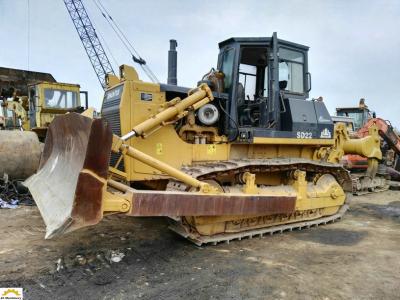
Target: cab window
[252,86]
[253,72]
[60,99]
[357,116]
[291,70]
[248,79]
[227,68]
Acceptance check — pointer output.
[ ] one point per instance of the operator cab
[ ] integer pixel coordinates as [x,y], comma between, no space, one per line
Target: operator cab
[267,81]
[360,114]
[49,99]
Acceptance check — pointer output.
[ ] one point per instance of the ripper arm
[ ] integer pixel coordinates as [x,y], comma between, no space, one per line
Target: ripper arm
[367,146]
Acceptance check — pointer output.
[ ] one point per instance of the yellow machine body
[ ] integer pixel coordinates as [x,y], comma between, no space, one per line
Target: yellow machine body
[166,145]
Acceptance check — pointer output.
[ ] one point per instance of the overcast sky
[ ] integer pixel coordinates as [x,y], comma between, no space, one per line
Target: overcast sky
[354,45]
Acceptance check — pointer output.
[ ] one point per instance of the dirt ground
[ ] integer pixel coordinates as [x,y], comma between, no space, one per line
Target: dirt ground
[356,258]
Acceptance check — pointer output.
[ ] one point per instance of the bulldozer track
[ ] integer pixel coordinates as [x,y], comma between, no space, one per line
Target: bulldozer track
[227,237]
[359,188]
[213,170]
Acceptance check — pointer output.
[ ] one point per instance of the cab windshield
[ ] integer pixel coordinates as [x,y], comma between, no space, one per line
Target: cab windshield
[359,117]
[56,98]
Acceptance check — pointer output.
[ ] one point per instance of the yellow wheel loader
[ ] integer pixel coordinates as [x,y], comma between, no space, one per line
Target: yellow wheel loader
[29,101]
[243,154]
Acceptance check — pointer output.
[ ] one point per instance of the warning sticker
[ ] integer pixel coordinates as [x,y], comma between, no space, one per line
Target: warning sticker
[159,149]
[211,149]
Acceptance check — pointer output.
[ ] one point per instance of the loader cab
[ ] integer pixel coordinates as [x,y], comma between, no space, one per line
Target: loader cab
[268,82]
[49,99]
[360,115]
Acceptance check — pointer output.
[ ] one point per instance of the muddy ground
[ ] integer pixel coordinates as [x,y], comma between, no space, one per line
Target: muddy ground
[356,258]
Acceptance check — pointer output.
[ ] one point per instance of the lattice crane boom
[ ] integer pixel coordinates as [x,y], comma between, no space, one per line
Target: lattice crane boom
[90,41]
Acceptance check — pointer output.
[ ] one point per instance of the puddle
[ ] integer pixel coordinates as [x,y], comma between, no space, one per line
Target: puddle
[338,237]
[391,210]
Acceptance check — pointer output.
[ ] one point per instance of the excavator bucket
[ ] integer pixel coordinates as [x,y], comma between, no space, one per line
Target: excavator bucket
[69,185]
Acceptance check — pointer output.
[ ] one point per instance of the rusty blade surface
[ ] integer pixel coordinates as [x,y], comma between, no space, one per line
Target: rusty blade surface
[67,197]
[153,203]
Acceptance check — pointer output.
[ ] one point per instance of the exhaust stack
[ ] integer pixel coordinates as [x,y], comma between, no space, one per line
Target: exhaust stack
[172,63]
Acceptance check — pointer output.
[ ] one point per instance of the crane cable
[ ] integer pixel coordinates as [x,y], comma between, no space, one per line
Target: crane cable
[103,40]
[136,57]
[128,45]
[29,34]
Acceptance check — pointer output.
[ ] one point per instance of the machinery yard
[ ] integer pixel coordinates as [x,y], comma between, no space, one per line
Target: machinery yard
[356,258]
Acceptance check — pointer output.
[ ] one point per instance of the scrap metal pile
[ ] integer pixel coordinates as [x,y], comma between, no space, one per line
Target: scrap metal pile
[13,193]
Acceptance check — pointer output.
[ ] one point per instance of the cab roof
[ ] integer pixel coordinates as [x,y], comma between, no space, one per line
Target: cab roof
[260,41]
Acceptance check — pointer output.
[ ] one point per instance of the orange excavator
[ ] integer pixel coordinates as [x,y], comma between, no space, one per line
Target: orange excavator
[390,145]
[361,119]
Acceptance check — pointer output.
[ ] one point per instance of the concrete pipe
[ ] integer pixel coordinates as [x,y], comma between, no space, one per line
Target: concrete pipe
[20,153]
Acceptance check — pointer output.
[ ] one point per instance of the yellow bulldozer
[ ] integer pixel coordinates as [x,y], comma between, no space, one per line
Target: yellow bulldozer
[243,154]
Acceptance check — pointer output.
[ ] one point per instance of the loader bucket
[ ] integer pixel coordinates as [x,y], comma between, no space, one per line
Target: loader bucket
[71,179]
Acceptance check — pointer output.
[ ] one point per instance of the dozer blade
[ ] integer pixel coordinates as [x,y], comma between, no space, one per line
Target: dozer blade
[69,185]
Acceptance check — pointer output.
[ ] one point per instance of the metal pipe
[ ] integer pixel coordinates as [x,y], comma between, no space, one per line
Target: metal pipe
[368,147]
[118,185]
[169,113]
[161,166]
[128,135]
[172,63]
